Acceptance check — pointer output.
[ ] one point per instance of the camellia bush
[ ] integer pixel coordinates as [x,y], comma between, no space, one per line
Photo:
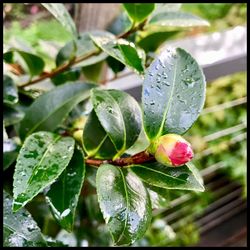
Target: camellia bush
[80,133]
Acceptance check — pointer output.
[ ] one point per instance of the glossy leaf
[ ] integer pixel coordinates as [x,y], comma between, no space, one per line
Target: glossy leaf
[121,50]
[10,96]
[138,12]
[64,193]
[12,115]
[82,47]
[20,230]
[59,11]
[124,202]
[49,109]
[156,174]
[121,24]
[41,160]
[95,139]
[151,41]
[166,7]
[67,76]
[10,152]
[119,115]
[176,19]
[115,65]
[34,63]
[159,196]
[173,93]
[66,53]
[93,72]
[8,57]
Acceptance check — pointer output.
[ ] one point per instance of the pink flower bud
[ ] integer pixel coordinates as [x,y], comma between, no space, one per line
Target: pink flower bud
[171,149]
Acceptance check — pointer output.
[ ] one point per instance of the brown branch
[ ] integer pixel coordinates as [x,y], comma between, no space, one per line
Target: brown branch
[60,69]
[139,158]
[76,60]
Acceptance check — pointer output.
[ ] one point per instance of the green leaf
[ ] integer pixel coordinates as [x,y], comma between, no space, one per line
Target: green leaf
[122,50]
[176,19]
[173,93]
[41,160]
[82,47]
[10,152]
[93,72]
[95,139]
[124,202]
[10,96]
[66,53]
[166,7]
[156,174]
[64,193]
[59,11]
[119,115]
[12,115]
[67,76]
[151,41]
[138,12]
[121,24]
[34,63]
[49,109]
[8,57]
[159,196]
[20,230]
[115,65]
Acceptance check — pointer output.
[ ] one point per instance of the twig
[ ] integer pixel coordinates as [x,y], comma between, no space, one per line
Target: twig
[139,158]
[78,59]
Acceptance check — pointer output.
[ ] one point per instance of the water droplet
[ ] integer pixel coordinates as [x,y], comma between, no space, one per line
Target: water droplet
[166,83]
[152,103]
[150,73]
[110,110]
[146,92]
[157,66]
[158,80]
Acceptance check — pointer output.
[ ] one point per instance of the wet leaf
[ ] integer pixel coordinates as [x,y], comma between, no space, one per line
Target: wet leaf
[120,116]
[121,50]
[96,140]
[67,76]
[59,11]
[138,12]
[34,63]
[176,19]
[82,47]
[173,93]
[10,96]
[51,108]
[124,202]
[185,177]
[41,160]
[20,230]
[64,193]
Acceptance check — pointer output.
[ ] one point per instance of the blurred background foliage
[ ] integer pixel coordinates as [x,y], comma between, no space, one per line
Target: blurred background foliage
[27,25]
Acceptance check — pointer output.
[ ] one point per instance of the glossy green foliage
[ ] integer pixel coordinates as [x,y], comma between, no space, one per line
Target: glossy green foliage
[59,11]
[67,76]
[96,140]
[19,229]
[120,119]
[34,63]
[64,193]
[122,50]
[41,160]
[115,65]
[82,47]
[124,202]
[185,177]
[173,93]
[49,109]
[176,19]
[10,96]
[138,12]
